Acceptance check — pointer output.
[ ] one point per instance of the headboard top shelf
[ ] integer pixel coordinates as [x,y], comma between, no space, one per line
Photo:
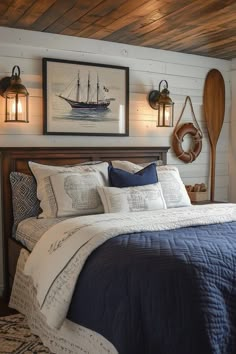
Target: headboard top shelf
[16,159]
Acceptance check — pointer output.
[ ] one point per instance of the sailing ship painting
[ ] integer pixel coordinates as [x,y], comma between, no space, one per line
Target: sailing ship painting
[97,104]
[85,99]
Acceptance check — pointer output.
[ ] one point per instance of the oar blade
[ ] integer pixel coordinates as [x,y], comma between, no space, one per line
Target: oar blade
[214,104]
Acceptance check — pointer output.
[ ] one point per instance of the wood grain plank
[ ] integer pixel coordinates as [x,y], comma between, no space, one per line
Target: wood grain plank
[200,32]
[15,11]
[180,19]
[4,5]
[214,109]
[33,13]
[191,17]
[52,14]
[75,14]
[197,27]
[104,10]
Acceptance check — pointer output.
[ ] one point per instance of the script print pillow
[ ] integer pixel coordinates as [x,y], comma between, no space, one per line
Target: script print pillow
[71,194]
[56,198]
[130,199]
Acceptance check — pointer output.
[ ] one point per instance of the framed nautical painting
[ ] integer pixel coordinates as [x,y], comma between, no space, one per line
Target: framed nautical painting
[85,98]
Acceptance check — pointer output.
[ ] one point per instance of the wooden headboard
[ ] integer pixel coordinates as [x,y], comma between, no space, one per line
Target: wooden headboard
[16,159]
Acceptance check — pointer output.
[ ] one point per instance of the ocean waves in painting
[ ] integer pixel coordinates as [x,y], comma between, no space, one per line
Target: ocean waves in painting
[86,114]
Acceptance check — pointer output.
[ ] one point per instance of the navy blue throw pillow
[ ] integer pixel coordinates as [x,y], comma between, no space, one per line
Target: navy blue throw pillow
[120,178]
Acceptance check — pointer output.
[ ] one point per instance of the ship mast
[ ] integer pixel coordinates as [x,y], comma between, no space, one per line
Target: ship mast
[88,92]
[78,88]
[97,88]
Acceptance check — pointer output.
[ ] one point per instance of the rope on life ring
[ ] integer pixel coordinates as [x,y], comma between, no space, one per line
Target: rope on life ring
[179,134]
[187,156]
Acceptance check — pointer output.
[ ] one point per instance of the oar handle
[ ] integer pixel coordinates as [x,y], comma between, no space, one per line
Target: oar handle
[213,165]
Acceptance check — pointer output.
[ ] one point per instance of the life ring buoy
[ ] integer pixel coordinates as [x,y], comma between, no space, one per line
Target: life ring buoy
[179,134]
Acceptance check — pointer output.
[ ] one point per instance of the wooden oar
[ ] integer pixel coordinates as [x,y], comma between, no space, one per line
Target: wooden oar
[214,109]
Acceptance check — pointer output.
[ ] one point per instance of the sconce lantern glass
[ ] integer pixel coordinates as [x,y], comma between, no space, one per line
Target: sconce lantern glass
[160,100]
[16,97]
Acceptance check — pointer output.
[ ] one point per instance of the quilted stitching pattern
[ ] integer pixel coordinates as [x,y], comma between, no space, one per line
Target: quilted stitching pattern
[171,292]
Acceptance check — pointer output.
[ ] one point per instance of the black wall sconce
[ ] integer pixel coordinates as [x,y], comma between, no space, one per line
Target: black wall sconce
[160,100]
[16,97]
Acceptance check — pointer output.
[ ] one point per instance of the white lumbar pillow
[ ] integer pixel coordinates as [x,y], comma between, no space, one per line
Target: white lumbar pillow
[140,198]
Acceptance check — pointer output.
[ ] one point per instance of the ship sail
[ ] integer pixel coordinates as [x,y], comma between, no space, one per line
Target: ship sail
[77,101]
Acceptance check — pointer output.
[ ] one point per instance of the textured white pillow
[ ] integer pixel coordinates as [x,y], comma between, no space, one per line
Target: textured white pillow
[67,190]
[173,188]
[140,198]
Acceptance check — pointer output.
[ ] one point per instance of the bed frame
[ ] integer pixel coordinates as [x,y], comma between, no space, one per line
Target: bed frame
[16,159]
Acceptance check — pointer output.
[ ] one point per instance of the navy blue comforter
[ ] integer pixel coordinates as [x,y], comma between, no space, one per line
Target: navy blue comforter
[168,292]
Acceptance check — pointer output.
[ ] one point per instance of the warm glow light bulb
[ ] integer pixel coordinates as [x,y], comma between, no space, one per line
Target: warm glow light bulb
[19,107]
[167,117]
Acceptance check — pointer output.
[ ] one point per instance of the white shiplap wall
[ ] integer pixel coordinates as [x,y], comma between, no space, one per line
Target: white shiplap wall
[185,75]
[232,151]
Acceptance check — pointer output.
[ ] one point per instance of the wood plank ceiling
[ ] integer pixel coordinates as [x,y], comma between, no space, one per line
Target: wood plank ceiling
[204,27]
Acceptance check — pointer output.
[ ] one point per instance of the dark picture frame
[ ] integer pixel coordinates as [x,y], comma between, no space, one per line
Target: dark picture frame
[82,98]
